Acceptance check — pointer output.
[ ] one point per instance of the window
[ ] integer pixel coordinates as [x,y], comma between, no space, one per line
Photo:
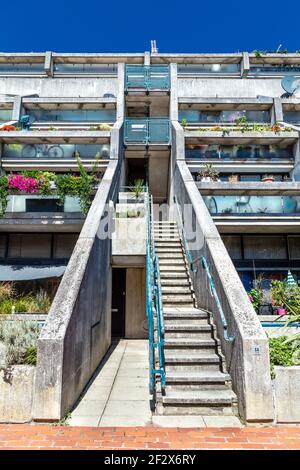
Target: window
[95,68]
[73,115]
[63,245]
[233,246]
[294,246]
[256,247]
[195,69]
[29,245]
[43,205]
[292,117]
[2,246]
[5,115]
[21,67]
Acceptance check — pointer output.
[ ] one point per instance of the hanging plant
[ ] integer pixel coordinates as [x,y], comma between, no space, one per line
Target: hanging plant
[3,194]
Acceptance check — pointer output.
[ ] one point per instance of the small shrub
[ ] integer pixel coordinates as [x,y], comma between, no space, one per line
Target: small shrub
[17,339]
[7,290]
[282,352]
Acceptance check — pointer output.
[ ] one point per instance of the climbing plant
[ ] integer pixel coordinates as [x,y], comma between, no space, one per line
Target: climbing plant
[3,194]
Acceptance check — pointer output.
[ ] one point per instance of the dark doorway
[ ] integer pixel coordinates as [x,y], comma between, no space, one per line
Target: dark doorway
[118,302]
[137,169]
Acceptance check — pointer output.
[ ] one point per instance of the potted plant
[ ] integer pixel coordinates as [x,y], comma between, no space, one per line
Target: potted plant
[233,178]
[268,179]
[208,173]
[138,188]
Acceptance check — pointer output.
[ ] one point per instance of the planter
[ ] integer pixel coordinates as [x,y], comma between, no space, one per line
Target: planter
[206,179]
[16,394]
[281,311]
[286,387]
[268,179]
[233,179]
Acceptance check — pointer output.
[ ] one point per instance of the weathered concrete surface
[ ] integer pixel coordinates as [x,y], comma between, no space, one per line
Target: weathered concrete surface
[136,322]
[287,394]
[248,356]
[16,394]
[129,237]
[78,329]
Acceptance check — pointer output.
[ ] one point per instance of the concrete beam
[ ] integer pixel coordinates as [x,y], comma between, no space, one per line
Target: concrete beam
[48,65]
[173,93]
[147,58]
[277,111]
[17,108]
[121,94]
[245,64]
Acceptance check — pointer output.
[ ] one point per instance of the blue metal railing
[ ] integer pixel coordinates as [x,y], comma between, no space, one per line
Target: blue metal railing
[147,131]
[148,77]
[154,300]
[205,265]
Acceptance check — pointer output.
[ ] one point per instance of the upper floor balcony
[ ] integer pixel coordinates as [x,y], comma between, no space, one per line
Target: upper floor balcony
[149,131]
[147,78]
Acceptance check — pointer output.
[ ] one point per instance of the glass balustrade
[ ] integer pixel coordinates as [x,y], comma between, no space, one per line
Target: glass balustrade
[5,115]
[223,116]
[275,68]
[238,152]
[37,203]
[255,205]
[21,67]
[147,131]
[198,69]
[93,68]
[292,117]
[154,77]
[55,151]
[78,115]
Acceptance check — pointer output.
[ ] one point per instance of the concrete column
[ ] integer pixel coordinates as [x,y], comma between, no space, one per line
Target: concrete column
[147,58]
[173,93]
[277,112]
[121,93]
[48,65]
[245,64]
[17,108]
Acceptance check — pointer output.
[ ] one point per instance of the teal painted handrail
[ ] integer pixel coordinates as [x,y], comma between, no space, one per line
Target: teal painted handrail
[147,77]
[207,270]
[154,298]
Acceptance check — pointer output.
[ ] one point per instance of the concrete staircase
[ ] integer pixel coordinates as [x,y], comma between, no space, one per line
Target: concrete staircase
[196,379]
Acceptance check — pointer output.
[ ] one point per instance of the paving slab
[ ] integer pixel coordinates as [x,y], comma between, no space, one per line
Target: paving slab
[222,421]
[178,421]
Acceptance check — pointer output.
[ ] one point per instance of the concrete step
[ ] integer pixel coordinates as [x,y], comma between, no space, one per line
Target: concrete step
[172,269]
[172,290]
[189,344]
[168,250]
[197,402]
[171,262]
[191,357]
[184,314]
[175,282]
[177,298]
[166,239]
[197,377]
[178,273]
[187,327]
[170,256]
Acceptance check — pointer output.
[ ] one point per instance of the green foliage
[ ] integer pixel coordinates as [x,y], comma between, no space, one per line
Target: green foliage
[287,296]
[282,352]
[10,302]
[184,122]
[31,356]
[209,171]
[138,187]
[255,296]
[17,340]
[3,194]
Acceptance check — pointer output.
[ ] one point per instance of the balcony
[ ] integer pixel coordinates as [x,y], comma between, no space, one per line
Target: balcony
[253,205]
[152,131]
[147,78]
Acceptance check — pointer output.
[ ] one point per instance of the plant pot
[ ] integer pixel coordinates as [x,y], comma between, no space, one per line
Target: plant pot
[233,179]
[268,180]
[206,179]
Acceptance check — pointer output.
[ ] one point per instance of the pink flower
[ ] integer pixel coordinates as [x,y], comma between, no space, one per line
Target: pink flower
[250,298]
[23,183]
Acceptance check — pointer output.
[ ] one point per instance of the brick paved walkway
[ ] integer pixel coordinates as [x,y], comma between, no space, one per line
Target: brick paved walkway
[59,437]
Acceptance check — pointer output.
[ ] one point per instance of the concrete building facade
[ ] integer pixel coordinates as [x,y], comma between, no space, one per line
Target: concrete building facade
[213,140]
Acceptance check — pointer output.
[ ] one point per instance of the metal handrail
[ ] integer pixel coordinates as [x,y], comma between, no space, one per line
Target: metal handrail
[154,297]
[156,130]
[205,265]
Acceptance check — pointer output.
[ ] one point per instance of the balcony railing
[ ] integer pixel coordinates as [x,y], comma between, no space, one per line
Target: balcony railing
[55,151]
[37,203]
[253,205]
[147,131]
[238,152]
[147,77]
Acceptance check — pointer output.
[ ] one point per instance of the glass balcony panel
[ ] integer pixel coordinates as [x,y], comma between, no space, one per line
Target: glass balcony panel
[258,205]
[105,115]
[54,151]
[225,116]
[275,68]
[23,67]
[147,77]
[5,115]
[198,69]
[25,203]
[238,152]
[152,131]
[101,69]
[292,117]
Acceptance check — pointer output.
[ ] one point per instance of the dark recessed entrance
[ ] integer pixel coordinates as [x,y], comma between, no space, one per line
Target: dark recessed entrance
[118,303]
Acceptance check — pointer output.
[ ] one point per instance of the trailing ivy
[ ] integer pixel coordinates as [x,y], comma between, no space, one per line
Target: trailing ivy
[3,194]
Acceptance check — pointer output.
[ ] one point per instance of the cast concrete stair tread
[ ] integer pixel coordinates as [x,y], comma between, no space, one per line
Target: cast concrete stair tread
[187,356]
[173,271]
[209,376]
[174,282]
[184,314]
[171,262]
[170,256]
[191,342]
[176,290]
[185,326]
[203,397]
[168,250]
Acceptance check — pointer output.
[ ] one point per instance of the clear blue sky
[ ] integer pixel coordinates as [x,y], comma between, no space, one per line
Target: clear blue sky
[128,26]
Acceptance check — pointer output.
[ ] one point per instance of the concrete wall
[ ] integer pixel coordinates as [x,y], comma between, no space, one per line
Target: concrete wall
[16,394]
[136,322]
[57,87]
[287,394]
[248,356]
[78,329]
[229,87]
